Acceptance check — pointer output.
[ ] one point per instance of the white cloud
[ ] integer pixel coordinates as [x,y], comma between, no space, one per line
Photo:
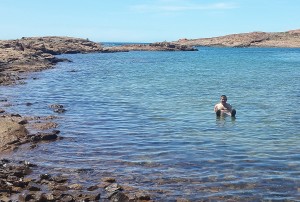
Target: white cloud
[175,5]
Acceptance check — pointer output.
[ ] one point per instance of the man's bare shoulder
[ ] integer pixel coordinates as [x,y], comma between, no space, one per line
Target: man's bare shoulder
[219,105]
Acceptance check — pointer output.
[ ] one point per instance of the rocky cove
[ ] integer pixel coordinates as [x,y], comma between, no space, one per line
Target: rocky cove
[38,53]
[18,181]
[18,57]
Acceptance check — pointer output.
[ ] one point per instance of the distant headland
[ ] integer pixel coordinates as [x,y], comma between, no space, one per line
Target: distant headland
[289,39]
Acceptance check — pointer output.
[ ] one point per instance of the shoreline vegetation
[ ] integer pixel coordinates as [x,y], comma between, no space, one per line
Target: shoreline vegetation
[31,54]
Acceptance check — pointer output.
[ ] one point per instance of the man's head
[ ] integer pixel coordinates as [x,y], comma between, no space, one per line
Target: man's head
[223,99]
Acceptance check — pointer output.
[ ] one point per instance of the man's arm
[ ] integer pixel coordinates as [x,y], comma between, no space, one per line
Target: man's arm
[229,107]
[216,108]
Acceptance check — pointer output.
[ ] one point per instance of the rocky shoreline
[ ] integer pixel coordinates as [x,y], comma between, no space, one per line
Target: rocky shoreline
[289,39]
[30,54]
[16,184]
[16,131]
[36,54]
[19,179]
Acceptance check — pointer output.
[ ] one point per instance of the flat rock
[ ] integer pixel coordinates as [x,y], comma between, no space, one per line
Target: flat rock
[10,132]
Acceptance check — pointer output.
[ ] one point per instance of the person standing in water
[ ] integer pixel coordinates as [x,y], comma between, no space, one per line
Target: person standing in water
[224,108]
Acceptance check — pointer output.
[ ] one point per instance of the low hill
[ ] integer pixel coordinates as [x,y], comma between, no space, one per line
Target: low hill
[289,39]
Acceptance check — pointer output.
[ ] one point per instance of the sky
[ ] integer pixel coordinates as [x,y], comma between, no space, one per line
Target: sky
[145,20]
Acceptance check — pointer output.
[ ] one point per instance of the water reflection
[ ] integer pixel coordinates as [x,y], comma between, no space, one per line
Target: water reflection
[221,121]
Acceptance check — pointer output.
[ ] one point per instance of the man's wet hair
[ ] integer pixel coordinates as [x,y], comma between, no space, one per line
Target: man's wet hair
[224,96]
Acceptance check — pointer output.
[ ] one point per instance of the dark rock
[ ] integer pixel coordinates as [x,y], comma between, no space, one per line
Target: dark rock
[60,110]
[67,198]
[61,188]
[41,197]
[56,106]
[3,100]
[32,146]
[29,164]
[49,136]
[118,196]
[45,176]
[23,122]
[44,136]
[85,197]
[12,178]
[15,115]
[26,197]
[59,179]
[92,188]
[33,187]
[35,138]
[109,179]
[142,196]
[21,184]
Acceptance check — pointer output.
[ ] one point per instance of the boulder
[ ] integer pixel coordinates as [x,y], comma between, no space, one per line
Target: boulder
[11,133]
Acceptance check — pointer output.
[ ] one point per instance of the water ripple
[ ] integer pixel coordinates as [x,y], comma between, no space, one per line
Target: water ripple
[147,119]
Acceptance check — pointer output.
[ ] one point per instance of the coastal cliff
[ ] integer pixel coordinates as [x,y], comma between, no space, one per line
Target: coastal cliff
[289,39]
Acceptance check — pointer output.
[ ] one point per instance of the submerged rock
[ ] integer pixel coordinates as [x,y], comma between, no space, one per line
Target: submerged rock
[14,184]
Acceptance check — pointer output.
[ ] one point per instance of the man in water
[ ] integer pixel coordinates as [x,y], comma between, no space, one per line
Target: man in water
[224,108]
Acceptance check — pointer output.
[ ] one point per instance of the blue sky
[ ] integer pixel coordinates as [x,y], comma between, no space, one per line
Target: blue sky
[145,20]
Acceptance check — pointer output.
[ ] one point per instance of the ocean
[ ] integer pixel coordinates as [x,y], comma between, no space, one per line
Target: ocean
[147,119]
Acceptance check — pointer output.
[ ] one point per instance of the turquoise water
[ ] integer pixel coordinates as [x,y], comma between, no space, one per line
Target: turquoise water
[147,119]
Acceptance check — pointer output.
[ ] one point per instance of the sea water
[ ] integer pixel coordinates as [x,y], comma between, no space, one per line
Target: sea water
[146,118]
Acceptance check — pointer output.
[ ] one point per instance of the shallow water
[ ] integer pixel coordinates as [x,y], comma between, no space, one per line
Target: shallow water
[147,118]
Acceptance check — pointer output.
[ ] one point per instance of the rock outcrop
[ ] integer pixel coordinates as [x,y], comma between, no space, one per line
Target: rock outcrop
[158,46]
[14,133]
[37,53]
[289,39]
[11,133]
